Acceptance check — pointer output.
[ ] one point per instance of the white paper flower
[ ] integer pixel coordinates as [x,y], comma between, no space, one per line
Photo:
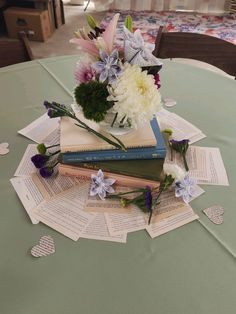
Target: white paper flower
[135,95]
[101,186]
[185,188]
[174,170]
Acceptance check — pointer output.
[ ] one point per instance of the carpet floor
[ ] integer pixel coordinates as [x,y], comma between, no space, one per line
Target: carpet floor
[223,27]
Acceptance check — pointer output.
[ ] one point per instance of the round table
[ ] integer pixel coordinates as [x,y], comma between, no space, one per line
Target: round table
[190,270]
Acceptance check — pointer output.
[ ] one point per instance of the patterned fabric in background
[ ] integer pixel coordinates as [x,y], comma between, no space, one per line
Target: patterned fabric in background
[223,27]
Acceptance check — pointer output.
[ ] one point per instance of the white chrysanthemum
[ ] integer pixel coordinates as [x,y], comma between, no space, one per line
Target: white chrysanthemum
[174,170]
[135,95]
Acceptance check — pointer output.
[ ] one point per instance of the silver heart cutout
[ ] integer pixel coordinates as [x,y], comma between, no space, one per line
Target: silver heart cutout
[215,214]
[45,247]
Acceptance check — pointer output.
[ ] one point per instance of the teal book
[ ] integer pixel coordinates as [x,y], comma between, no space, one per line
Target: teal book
[152,152]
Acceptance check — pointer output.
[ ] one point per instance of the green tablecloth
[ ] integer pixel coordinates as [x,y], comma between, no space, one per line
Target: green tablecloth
[191,270]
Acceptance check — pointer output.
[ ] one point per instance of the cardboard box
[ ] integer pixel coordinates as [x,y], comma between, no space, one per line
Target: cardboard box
[35,23]
[48,6]
[58,13]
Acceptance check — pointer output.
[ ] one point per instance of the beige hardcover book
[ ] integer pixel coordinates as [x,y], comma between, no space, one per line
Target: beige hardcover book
[76,139]
[122,180]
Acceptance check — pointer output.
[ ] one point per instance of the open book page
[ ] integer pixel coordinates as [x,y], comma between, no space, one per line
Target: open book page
[65,213]
[75,139]
[215,164]
[196,159]
[181,128]
[170,205]
[26,167]
[29,195]
[205,165]
[97,229]
[124,223]
[172,222]
[43,130]
[56,184]
[109,205]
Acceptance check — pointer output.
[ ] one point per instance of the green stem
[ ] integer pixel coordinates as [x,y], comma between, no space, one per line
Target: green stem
[114,119]
[53,146]
[185,162]
[125,193]
[85,126]
[52,154]
[155,204]
[122,120]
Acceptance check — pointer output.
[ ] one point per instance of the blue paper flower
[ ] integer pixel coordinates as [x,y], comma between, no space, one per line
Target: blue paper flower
[108,67]
[101,186]
[185,188]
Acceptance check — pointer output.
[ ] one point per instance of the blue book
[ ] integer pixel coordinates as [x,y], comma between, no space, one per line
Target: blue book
[155,152]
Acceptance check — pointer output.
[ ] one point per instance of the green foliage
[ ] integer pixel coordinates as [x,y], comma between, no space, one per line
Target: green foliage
[41,149]
[128,23]
[92,97]
[91,22]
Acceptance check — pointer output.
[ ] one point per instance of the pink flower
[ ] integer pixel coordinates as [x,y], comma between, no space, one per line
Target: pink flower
[84,72]
[92,46]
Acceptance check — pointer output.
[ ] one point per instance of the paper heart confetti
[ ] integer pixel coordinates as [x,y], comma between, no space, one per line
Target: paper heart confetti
[169,102]
[45,247]
[215,214]
[4,148]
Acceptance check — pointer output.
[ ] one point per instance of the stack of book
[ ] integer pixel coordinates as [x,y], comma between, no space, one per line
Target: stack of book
[82,153]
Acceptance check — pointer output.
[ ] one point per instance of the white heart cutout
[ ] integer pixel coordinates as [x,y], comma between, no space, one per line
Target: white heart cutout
[4,148]
[45,247]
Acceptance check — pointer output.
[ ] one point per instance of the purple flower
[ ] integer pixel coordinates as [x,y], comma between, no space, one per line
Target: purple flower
[39,160]
[55,113]
[148,198]
[84,73]
[51,113]
[185,188]
[108,67]
[157,80]
[181,147]
[46,172]
[46,104]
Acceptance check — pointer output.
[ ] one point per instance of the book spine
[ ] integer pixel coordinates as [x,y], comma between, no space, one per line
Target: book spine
[155,177]
[120,179]
[87,157]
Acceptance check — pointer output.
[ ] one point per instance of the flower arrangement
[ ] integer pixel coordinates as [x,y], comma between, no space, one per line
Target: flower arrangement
[120,81]
[123,83]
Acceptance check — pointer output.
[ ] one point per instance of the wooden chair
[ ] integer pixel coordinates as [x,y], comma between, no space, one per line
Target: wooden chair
[212,50]
[15,50]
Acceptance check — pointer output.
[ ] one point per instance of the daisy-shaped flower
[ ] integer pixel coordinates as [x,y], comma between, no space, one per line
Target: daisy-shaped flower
[185,188]
[101,186]
[108,66]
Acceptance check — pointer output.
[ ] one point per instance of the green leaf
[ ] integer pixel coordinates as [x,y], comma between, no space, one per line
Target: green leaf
[129,23]
[91,22]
